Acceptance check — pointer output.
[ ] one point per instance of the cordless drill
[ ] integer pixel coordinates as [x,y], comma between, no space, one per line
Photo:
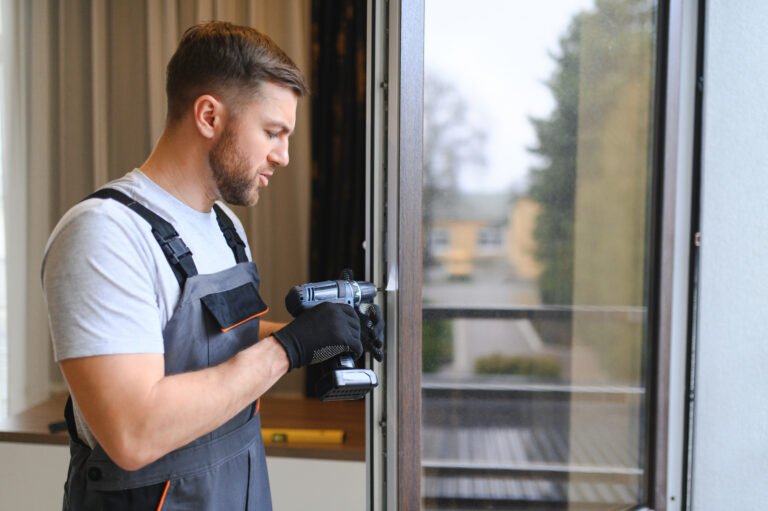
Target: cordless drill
[339,378]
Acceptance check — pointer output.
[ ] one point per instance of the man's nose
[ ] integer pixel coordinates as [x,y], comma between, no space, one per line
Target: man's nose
[279,155]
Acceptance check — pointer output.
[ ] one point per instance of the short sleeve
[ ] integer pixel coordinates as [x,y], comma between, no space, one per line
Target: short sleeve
[98,280]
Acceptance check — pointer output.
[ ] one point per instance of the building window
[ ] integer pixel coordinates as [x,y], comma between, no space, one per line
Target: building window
[439,240]
[489,239]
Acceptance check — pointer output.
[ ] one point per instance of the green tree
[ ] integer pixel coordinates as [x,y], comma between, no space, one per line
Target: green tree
[617,32]
[553,180]
[593,244]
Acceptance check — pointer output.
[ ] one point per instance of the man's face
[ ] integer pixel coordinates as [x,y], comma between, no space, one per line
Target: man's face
[253,144]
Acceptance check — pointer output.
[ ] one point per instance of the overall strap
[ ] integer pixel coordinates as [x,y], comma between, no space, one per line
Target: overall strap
[69,419]
[176,251]
[230,234]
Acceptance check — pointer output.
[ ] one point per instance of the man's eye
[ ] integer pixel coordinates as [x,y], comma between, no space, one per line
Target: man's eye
[272,135]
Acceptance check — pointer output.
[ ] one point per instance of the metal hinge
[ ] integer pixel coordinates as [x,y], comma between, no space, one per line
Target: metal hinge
[697,239]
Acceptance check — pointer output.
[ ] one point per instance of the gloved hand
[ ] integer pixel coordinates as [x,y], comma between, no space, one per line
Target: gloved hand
[320,333]
[372,333]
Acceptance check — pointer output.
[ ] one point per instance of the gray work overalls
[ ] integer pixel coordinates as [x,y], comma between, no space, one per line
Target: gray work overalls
[216,317]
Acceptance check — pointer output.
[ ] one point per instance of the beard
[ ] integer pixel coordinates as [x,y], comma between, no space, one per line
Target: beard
[232,171]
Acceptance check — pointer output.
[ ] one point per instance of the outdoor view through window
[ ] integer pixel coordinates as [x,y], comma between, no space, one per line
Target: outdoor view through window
[537,193]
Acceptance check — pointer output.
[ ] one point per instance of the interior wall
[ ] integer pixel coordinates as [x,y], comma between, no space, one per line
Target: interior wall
[730,403]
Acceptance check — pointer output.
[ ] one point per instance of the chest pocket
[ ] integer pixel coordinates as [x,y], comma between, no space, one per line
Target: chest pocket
[232,320]
[234,307]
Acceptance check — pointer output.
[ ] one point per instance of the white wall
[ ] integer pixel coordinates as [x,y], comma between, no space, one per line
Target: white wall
[730,456]
[32,479]
[32,476]
[317,485]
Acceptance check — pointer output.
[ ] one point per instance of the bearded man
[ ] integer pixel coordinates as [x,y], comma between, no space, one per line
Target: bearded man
[153,299]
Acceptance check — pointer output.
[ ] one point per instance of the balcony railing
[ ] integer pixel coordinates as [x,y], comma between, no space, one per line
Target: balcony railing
[500,442]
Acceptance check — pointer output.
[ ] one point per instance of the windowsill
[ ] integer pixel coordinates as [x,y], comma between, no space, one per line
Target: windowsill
[31,426]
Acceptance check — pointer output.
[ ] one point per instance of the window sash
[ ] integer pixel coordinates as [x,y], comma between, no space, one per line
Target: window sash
[405,150]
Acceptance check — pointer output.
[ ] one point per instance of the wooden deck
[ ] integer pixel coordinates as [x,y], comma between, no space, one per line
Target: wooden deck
[530,449]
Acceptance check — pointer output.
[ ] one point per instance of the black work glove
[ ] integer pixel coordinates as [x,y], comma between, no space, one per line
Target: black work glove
[372,329]
[320,333]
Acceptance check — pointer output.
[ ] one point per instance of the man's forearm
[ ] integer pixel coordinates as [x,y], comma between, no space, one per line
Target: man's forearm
[239,381]
[138,416]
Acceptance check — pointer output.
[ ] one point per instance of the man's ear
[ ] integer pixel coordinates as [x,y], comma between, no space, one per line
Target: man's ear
[208,112]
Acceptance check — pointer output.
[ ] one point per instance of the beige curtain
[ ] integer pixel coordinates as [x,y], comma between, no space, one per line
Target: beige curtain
[88,103]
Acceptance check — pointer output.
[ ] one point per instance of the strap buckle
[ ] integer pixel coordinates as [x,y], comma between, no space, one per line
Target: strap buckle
[175,249]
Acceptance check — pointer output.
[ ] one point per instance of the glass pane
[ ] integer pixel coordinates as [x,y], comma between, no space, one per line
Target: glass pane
[537,193]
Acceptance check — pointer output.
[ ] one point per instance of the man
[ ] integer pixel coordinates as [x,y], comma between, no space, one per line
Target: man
[153,303]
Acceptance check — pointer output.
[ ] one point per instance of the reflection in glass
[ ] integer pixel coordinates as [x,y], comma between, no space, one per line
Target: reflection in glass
[537,191]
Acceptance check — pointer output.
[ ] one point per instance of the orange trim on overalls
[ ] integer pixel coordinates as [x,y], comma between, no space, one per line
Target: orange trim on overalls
[162,498]
[245,320]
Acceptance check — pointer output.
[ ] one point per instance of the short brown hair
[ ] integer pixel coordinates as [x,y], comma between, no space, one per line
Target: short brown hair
[226,59]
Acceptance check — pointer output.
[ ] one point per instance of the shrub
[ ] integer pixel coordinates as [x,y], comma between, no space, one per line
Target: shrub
[541,366]
[437,344]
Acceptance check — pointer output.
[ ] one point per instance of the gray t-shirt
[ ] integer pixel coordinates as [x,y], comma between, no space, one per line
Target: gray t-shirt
[109,288]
